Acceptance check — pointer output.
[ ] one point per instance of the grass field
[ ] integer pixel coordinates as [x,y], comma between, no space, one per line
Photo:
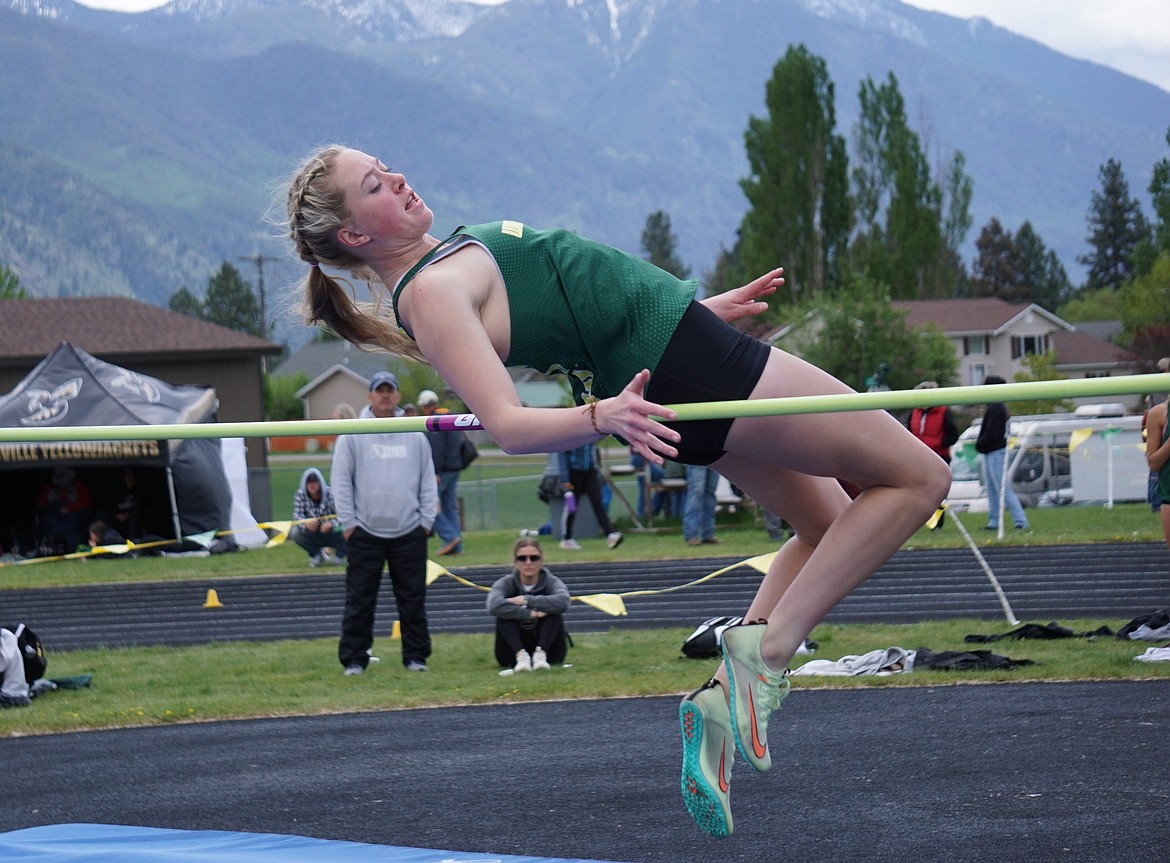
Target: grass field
[239,680]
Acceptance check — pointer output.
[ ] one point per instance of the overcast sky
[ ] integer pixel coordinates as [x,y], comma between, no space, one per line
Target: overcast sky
[1130,35]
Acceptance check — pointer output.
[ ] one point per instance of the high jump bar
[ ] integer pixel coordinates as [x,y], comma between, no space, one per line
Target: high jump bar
[835,403]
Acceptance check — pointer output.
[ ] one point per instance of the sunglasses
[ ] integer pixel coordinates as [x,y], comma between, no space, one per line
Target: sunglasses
[528,558]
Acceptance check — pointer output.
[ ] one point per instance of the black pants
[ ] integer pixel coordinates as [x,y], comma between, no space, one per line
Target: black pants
[406,559]
[586,484]
[512,636]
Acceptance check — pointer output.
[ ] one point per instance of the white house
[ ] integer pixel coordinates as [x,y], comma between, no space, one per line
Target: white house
[992,336]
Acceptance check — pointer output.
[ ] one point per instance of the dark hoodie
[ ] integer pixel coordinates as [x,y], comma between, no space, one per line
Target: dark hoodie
[993,429]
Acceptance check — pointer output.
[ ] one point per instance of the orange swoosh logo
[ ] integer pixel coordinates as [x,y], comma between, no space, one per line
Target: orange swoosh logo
[760,748]
[723,783]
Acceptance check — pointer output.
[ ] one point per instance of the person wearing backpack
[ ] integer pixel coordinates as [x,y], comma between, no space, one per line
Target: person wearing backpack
[446,452]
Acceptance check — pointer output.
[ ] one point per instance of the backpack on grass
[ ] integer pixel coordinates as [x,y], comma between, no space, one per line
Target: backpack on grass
[31,652]
[704,642]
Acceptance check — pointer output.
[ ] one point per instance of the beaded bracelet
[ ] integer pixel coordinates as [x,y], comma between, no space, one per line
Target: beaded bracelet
[591,407]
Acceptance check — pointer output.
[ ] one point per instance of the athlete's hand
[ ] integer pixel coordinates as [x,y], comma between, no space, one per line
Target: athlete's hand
[743,302]
[629,415]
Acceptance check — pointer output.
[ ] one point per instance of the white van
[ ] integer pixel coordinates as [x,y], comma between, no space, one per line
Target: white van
[1095,454]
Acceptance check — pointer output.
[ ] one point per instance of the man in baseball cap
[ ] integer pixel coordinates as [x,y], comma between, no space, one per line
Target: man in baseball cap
[386,496]
[383,379]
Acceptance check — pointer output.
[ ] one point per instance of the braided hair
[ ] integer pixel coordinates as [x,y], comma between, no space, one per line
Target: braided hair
[316,211]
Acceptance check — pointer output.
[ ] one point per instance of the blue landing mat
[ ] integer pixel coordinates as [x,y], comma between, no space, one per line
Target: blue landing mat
[101,843]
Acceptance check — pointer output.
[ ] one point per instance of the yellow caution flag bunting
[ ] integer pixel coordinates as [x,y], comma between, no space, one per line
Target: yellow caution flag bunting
[613,604]
[937,520]
[607,603]
[281,529]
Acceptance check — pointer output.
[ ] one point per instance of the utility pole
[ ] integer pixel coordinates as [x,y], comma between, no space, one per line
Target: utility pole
[259,259]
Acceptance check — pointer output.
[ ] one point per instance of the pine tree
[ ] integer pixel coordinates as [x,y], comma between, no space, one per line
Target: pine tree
[10,287]
[1116,228]
[1045,279]
[660,243]
[186,303]
[998,270]
[231,302]
[1158,241]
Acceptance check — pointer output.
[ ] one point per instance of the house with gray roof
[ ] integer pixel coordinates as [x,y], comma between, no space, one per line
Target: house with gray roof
[992,336]
[151,340]
[338,372]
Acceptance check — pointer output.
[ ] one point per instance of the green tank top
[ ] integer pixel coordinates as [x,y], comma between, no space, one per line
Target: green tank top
[578,308]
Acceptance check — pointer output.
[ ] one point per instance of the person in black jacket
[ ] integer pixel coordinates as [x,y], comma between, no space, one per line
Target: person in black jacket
[446,449]
[529,605]
[992,445]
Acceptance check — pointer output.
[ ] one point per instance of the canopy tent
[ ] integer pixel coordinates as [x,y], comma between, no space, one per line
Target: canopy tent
[183,487]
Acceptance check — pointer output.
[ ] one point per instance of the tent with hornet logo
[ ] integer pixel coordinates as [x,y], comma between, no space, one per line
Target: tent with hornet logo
[177,488]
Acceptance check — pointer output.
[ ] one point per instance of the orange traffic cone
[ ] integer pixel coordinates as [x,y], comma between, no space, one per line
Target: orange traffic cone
[212,600]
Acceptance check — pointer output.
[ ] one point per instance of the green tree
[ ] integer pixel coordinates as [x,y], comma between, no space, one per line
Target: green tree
[186,303]
[414,377]
[859,330]
[1116,229]
[1045,278]
[1145,312]
[1160,194]
[1158,241]
[726,272]
[1100,305]
[10,288]
[1040,367]
[280,396]
[998,270]
[902,235]
[960,189]
[660,245]
[798,212]
[231,302]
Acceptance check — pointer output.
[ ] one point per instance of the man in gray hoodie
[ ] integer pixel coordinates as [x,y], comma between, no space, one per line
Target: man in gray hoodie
[384,486]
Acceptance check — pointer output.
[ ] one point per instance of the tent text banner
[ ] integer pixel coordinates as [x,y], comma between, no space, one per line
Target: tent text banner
[77,453]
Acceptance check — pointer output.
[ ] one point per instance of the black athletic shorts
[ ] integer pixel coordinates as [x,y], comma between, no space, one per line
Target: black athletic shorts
[706,360]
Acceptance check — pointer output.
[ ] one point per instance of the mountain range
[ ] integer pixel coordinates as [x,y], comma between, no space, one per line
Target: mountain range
[138,151]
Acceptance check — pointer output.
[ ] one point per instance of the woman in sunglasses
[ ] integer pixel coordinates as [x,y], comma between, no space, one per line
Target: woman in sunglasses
[529,604]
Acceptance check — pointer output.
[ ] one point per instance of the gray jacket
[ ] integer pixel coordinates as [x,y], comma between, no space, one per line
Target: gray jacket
[549,595]
[384,483]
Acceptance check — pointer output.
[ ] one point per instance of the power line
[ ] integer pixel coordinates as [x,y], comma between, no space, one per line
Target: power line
[259,259]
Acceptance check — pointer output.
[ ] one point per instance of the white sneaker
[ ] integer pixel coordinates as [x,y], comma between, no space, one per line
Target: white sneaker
[316,560]
[614,539]
[332,560]
[539,660]
[523,661]
[570,545]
